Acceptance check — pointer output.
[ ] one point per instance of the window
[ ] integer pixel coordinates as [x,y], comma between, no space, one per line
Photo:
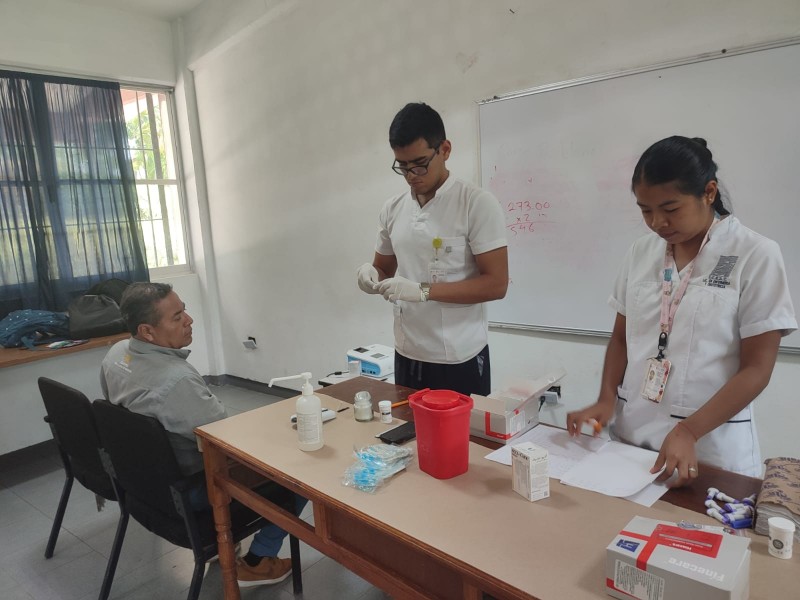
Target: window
[69,211]
[148,118]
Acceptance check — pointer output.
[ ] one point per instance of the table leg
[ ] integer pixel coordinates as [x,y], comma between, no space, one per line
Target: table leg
[215,462]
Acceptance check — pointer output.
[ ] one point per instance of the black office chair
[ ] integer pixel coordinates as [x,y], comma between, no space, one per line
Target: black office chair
[157,495]
[69,414]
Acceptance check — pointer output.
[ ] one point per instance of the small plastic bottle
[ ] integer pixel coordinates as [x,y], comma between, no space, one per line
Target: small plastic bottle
[362,407]
[385,408]
[309,415]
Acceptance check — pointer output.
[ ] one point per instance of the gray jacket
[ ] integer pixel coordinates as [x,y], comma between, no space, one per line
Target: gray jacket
[159,382]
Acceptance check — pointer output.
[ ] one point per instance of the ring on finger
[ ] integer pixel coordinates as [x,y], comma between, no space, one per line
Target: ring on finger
[693,470]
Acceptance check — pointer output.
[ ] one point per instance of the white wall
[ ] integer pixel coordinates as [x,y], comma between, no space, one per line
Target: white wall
[57,36]
[295,100]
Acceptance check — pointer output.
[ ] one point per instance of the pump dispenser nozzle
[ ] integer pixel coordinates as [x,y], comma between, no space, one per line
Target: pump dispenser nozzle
[307,388]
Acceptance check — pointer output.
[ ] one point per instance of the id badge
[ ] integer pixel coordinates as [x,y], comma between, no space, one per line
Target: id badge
[655,379]
[436,274]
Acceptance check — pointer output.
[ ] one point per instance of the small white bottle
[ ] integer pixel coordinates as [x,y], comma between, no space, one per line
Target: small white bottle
[385,408]
[309,415]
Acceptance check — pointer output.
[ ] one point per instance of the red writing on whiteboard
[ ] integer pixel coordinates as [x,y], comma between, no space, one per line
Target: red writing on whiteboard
[521,224]
[524,214]
[527,206]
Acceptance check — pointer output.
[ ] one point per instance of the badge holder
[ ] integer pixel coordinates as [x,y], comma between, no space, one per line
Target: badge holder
[657,373]
[436,274]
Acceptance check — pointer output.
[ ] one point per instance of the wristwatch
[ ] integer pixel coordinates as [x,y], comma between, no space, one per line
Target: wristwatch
[425,288]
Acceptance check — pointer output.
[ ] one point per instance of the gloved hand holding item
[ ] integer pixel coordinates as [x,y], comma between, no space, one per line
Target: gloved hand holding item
[400,288]
[368,278]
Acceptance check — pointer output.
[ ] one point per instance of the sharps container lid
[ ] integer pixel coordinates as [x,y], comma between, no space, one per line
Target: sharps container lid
[440,399]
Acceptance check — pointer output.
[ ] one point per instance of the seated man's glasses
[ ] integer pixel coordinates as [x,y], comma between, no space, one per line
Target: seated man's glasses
[419,170]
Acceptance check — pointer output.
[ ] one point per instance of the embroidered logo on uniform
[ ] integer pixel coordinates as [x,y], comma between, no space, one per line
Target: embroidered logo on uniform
[124,363]
[719,276]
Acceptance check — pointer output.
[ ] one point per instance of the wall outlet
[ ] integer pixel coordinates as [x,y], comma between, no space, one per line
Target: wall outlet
[550,398]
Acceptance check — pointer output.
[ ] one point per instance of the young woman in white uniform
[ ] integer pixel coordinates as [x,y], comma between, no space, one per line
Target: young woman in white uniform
[701,306]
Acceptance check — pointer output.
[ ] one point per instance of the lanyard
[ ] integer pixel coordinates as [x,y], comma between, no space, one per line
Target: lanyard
[669,303]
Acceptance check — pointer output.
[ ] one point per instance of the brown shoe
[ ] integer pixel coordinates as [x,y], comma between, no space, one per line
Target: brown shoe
[270,570]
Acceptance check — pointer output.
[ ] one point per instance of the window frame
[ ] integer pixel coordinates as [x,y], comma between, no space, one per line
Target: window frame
[169,92]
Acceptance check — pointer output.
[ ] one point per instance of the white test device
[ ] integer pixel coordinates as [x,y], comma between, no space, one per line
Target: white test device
[377,360]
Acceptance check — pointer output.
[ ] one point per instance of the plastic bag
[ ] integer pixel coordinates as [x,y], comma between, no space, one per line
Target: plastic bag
[375,465]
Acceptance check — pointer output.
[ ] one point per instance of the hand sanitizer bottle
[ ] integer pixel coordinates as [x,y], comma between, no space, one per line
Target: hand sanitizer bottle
[309,415]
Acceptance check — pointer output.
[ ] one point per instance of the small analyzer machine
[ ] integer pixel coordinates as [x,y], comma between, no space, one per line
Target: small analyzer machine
[377,360]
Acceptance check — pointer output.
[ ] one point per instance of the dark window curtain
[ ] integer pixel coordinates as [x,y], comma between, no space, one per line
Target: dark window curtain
[68,205]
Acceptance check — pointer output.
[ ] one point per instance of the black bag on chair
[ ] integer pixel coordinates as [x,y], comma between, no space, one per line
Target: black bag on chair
[93,316]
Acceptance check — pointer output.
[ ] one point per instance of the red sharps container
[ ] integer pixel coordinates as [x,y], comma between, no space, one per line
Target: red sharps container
[441,419]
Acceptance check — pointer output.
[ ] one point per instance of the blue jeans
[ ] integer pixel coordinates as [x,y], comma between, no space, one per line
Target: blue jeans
[268,541]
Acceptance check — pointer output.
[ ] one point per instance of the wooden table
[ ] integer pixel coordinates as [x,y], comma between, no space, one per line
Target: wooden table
[419,537]
[691,497]
[10,357]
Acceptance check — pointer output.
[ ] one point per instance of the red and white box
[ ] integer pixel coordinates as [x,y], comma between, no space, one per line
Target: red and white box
[658,560]
[506,414]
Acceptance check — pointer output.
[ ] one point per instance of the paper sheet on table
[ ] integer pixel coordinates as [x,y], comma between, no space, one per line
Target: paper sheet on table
[648,495]
[615,470]
[564,451]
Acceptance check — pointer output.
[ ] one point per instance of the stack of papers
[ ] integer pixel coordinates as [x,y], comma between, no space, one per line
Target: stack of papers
[595,464]
[780,494]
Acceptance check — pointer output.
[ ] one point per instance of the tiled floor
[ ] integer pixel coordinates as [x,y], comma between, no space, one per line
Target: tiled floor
[149,567]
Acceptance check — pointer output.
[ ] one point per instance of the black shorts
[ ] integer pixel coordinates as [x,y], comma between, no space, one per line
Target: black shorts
[471,377]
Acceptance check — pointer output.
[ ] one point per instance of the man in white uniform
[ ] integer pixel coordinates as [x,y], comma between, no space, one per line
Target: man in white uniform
[440,255]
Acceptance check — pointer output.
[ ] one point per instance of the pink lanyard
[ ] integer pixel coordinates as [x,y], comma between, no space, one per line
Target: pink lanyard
[669,306]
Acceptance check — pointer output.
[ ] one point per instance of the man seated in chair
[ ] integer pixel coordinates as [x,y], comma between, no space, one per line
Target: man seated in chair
[149,374]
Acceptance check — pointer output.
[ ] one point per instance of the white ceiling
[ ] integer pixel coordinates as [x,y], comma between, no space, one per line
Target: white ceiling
[165,10]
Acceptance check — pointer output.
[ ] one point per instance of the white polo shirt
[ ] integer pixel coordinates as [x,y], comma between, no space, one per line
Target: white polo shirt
[738,289]
[469,221]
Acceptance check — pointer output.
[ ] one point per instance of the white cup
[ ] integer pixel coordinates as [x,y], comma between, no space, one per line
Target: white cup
[781,537]
[355,367]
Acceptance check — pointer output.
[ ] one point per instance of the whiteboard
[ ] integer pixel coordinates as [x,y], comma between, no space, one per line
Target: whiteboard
[560,160]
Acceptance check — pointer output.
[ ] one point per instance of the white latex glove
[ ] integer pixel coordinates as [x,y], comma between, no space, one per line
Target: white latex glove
[368,278]
[400,288]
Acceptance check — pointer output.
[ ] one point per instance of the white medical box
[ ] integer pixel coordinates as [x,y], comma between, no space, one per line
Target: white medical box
[659,560]
[530,473]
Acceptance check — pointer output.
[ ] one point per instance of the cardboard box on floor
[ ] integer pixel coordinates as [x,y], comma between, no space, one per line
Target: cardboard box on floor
[658,560]
[505,414]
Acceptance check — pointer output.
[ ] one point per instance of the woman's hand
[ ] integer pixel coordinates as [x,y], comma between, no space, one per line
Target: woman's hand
[677,453]
[598,413]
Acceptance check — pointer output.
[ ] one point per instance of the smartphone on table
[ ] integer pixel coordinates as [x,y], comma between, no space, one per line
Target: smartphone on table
[398,435]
